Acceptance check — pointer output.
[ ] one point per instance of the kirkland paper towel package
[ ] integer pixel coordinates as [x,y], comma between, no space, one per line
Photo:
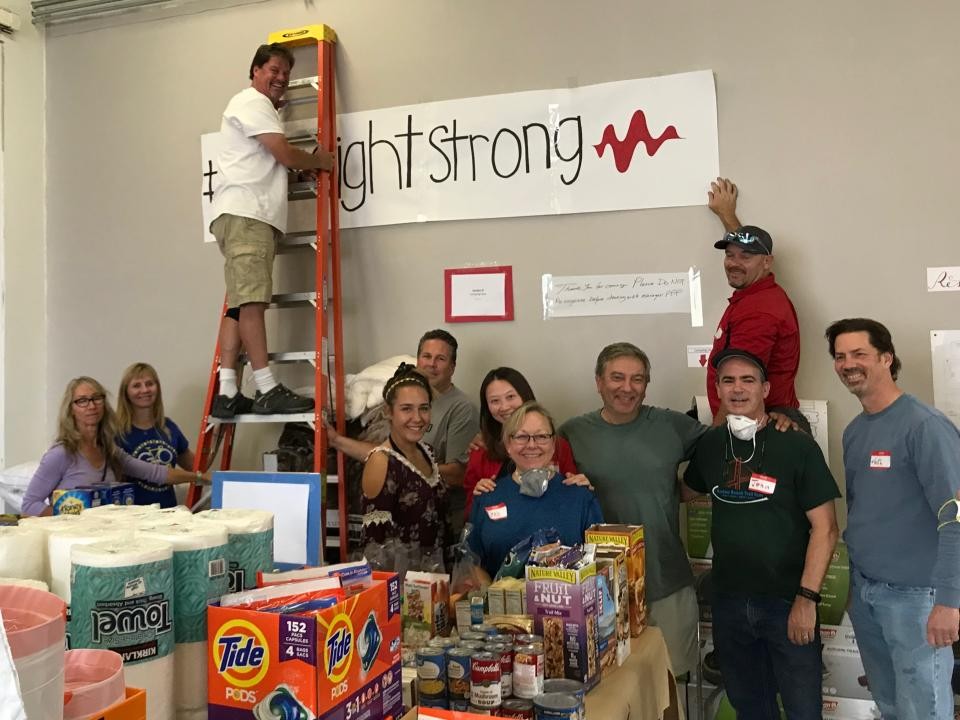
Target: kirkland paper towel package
[199,576]
[250,549]
[344,663]
[122,600]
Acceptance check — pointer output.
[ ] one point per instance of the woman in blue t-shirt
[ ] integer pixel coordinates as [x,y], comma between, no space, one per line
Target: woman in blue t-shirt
[530,497]
[147,434]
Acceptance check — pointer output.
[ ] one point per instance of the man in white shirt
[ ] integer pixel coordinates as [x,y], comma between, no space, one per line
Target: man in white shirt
[251,216]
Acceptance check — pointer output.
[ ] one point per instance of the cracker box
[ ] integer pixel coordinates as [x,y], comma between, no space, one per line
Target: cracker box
[114,493]
[344,662]
[563,604]
[76,500]
[426,612]
[612,572]
[629,537]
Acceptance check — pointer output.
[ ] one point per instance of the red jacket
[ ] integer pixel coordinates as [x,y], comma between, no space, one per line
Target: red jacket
[760,318]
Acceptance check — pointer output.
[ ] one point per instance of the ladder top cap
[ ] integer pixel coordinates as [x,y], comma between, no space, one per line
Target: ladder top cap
[306,35]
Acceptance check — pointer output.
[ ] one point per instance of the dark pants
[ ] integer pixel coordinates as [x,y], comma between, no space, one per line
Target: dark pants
[757,660]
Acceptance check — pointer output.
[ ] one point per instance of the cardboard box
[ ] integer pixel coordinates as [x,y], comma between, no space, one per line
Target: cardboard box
[426,598]
[699,522]
[839,708]
[563,604]
[343,663]
[76,500]
[836,587]
[132,707]
[629,537]
[843,673]
[613,580]
[116,493]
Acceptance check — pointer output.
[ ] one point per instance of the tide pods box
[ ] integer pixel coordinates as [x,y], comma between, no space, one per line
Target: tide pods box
[629,537]
[342,662]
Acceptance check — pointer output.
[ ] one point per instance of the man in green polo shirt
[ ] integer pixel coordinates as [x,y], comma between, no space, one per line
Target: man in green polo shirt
[774,528]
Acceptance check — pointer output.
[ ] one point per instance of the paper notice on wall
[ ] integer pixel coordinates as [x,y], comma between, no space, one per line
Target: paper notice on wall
[816,412]
[945,355]
[638,294]
[697,355]
[210,180]
[943,279]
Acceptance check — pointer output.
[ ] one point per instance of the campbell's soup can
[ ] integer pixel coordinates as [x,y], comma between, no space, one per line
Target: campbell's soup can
[517,708]
[528,640]
[485,689]
[568,687]
[458,676]
[431,673]
[506,666]
[556,706]
[527,671]
[473,635]
[500,639]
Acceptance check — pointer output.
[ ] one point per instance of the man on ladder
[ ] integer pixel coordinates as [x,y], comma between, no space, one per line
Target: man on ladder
[251,216]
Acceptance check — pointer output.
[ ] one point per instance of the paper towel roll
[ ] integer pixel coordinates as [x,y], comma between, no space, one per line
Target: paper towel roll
[199,576]
[60,542]
[251,543]
[121,511]
[35,584]
[122,600]
[21,552]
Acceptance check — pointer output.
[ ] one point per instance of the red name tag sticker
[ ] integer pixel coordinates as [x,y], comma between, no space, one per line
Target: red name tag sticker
[880,459]
[497,512]
[763,483]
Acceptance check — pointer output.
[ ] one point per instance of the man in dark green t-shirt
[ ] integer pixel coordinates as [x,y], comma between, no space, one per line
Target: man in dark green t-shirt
[774,529]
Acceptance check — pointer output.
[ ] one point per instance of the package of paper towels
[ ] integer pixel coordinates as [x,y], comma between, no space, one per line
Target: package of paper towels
[199,576]
[60,543]
[122,600]
[251,543]
[21,553]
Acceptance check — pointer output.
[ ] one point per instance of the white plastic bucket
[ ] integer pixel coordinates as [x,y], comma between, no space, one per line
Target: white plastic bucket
[35,623]
[93,681]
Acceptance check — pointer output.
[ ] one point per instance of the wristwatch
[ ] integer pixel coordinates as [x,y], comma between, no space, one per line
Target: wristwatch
[809,595]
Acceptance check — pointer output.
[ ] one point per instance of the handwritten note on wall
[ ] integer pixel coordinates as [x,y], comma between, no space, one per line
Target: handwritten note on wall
[639,294]
[943,279]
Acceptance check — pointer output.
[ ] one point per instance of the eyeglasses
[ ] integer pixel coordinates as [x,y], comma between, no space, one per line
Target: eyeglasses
[746,239]
[523,438]
[86,401]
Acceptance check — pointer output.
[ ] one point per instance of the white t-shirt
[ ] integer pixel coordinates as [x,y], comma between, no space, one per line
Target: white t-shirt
[254,183]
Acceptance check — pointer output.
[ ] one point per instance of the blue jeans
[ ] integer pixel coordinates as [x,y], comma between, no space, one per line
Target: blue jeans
[909,679]
[757,660]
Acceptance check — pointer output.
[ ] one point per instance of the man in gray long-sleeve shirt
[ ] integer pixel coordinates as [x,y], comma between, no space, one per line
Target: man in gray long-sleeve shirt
[902,464]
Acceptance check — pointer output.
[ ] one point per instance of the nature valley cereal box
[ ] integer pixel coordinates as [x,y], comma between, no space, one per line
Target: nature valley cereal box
[629,537]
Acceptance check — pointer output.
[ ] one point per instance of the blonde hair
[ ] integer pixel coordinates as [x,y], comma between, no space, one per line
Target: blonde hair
[68,434]
[513,423]
[125,408]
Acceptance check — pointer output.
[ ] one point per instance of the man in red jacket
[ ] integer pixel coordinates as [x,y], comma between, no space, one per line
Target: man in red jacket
[759,317]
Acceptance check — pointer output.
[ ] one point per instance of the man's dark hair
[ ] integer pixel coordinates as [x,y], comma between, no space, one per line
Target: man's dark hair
[440,335]
[880,338]
[265,52]
[621,349]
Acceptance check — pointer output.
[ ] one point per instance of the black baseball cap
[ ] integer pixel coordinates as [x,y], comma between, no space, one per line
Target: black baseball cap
[728,353]
[748,238]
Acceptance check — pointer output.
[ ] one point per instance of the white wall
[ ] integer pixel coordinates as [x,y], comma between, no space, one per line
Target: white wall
[837,119]
[26,431]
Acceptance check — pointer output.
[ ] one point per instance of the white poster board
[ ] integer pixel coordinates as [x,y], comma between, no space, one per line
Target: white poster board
[945,356]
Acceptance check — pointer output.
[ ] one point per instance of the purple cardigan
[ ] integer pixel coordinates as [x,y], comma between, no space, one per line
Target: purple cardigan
[65,470]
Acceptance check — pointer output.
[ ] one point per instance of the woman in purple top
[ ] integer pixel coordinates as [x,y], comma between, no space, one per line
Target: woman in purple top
[86,451]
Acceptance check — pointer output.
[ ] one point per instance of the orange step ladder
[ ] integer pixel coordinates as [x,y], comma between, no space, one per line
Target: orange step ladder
[218,435]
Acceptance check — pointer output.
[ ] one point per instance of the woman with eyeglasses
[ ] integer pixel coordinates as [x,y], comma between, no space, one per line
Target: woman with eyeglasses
[146,433]
[502,391]
[85,451]
[529,496]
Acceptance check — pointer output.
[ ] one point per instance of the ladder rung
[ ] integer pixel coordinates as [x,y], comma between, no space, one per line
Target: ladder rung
[292,356]
[288,299]
[303,137]
[296,240]
[254,418]
[311,81]
[302,190]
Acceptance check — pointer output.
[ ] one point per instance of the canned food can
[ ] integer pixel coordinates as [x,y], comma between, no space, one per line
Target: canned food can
[476,610]
[528,671]
[442,642]
[556,706]
[472,644]
[485,688]
[506,666]
[458,676]
[517,708]
[473,635]
[528,640]
[501,639]
[568,687]
[439,703]
[459,705]
[487,630]
[474,710]
[431,673]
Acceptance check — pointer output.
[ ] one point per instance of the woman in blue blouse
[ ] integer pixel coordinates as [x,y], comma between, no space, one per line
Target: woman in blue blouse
[532,497]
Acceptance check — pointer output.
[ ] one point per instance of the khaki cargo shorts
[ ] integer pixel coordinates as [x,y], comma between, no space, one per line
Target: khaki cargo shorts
[248,248]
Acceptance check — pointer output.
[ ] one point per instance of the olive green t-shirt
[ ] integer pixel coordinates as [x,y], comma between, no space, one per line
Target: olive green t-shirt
[633,467]
[760,529]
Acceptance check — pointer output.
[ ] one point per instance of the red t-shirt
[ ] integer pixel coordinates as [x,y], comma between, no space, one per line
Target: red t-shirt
[761,319]
[481,465]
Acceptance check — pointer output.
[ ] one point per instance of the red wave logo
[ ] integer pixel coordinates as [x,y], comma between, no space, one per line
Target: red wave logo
[637,133]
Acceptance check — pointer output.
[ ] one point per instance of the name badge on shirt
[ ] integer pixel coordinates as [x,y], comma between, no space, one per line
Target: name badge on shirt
[497,512]
[880,459]
[763,483]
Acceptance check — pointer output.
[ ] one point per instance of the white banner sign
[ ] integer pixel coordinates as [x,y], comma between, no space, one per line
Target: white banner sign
[643,294]
[943,279]
[615,146]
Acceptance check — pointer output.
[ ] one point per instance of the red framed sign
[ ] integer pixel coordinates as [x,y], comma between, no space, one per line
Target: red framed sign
[478,294]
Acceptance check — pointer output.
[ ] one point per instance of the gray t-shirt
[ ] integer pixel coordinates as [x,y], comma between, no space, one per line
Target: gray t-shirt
[901,465]
[634,470]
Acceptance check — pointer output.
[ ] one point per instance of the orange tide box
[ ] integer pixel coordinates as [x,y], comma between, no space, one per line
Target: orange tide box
[343,662]
[629,537]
